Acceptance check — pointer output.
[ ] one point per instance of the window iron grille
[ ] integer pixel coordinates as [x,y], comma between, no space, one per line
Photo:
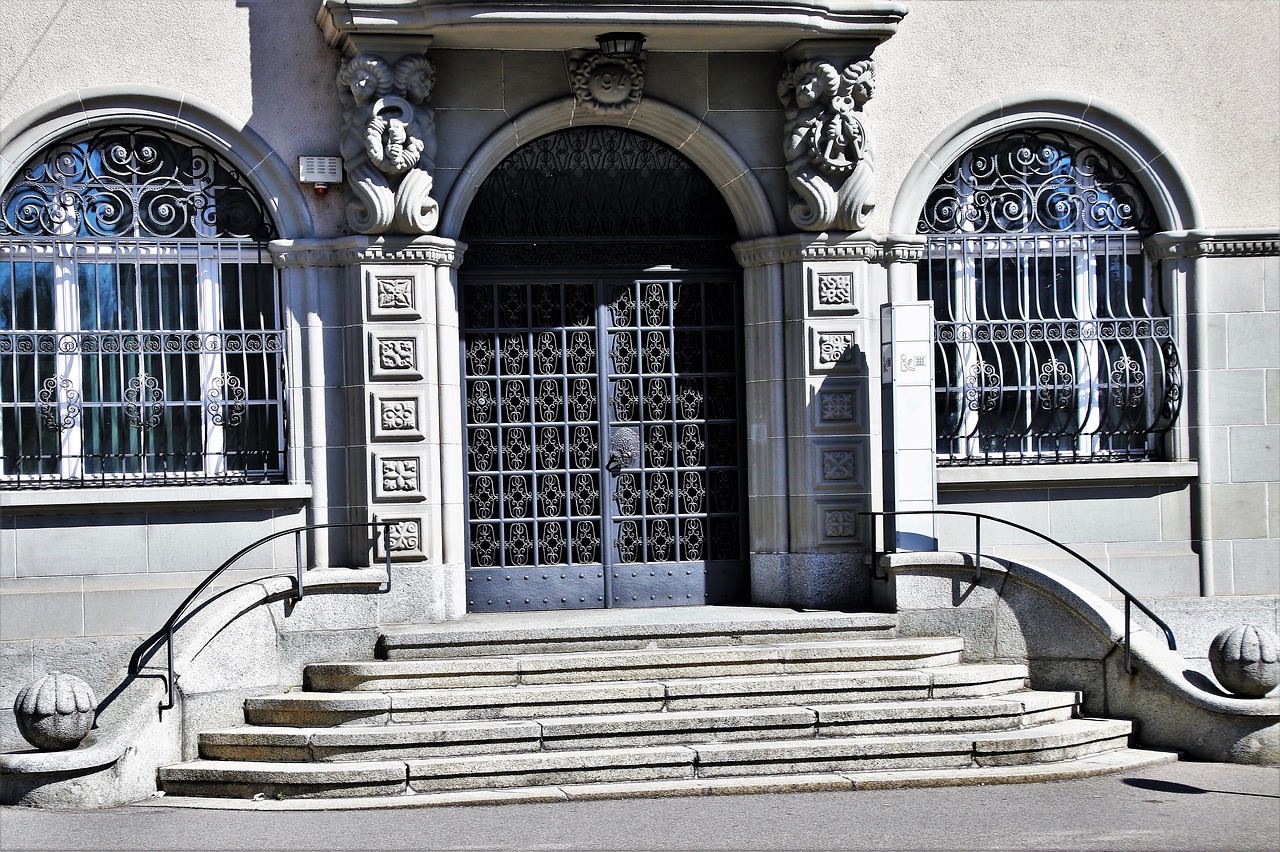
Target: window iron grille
[140,321]
[1051,339]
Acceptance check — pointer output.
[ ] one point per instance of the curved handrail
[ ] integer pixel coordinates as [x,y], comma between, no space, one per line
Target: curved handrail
[1129,598]
[149,644]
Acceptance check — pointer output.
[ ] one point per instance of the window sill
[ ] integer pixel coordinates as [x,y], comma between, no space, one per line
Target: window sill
[182,498]
[1065,475]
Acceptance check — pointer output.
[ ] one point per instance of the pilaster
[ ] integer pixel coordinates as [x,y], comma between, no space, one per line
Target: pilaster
[401,382]
[832,285]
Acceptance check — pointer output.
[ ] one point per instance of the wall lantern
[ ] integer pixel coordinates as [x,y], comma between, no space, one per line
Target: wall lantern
[621,45]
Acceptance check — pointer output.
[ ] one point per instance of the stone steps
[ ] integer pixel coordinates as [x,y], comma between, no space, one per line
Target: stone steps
[286,744]
[585,666]
[1069,739]
[1106,762]
[489,709]
[604,630]
[305,709]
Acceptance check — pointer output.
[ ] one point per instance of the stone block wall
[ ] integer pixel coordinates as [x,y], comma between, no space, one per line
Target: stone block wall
[78,591]
[1240,440]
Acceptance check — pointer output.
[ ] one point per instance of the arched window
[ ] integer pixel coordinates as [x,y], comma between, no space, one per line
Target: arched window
[140,333]
[1052,341]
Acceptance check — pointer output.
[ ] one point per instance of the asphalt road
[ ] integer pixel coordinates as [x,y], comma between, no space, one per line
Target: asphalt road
[1182,806]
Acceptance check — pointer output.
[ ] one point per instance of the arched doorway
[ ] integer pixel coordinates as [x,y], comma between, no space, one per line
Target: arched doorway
[602,363]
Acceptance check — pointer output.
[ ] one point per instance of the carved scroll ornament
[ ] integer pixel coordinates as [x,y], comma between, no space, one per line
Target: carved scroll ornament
[828,151]
[389,143]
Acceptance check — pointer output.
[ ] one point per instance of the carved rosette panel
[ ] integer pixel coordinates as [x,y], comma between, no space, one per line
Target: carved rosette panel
[606,85]
[826,144]
[388,143]
[405,540]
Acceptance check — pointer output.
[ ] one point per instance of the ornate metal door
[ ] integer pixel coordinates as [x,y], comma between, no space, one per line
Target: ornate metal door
[604,442]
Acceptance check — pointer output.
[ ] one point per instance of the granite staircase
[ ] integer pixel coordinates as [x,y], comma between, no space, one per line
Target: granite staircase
[551,706]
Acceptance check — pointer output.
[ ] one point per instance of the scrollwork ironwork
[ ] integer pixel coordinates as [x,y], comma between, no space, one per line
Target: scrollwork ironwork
[59,404]
[132,181]
[225,400]
[144,402]
[1036,181]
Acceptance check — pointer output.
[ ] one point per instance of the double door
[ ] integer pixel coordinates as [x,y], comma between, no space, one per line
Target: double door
[604,441]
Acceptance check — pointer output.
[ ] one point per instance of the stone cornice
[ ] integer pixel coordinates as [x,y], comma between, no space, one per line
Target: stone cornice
[565,24]
[351,251]
[1236,242]
[863,246]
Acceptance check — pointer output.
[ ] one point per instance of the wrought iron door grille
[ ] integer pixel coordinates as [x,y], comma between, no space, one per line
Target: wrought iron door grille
[603,441]
[133,362]
[1051,340]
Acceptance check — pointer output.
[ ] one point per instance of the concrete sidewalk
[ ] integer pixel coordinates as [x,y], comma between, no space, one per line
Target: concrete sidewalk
[1179,806]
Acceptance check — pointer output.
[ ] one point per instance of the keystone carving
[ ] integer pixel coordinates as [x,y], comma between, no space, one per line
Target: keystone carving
[605,85]
[389,143]
[828,151]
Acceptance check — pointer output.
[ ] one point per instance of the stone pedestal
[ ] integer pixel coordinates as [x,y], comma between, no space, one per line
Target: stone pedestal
[906,377]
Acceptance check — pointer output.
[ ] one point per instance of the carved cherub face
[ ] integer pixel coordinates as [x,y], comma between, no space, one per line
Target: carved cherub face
[364,85]
[809,89]
[864,88]
[366,76]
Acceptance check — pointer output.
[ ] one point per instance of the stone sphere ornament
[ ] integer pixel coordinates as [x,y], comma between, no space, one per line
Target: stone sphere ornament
[1246,660]
[55,712]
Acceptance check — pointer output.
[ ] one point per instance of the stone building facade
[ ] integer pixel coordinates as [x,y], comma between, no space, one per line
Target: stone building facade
[596,328]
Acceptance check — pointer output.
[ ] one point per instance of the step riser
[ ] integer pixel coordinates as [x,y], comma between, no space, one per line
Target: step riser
[981,689]
[526,711]
[1051,755]
[956,760]
[609,630]
[584,671]
[232,790]
[303,718]
[390,651]
[342,754]
[306,718]
[934,726]
[303,710]
[549,778]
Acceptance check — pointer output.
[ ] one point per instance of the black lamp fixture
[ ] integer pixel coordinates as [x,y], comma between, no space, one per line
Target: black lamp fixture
[621,45]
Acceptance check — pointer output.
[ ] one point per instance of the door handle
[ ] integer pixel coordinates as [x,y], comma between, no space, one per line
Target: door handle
[623,444]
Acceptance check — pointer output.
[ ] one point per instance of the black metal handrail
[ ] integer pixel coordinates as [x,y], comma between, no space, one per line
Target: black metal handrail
[149,644]
[1129,599]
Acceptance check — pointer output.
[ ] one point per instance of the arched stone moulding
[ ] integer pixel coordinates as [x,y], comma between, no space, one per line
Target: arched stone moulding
[1129,140]
[762,284]
[169,109]
[706,148]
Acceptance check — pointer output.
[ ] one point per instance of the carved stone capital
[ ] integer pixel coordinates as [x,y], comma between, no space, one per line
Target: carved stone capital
[801,248]
[352,251]
[826,144]
[606,85]
[388,143]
